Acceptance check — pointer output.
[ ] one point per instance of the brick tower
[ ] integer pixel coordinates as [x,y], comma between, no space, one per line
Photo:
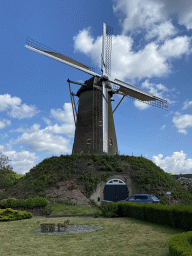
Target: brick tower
[89,133]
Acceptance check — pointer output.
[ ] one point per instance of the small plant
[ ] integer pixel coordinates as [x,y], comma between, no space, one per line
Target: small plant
[114,164]
[57,185]
[103,161]
[44,211]
[96,214]
[90,162]
[63,177]
[93,202]
[42,194]
[103,167]
[109,167]
[119,169]
[94,157]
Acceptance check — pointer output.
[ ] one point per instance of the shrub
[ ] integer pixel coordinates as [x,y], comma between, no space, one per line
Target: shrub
[119,169]
[109,167]
[63,177]
[103,167]
[96,214]
[109,209]
[42,194]
[94,157]
[114,164]
[93,202]
[90,162]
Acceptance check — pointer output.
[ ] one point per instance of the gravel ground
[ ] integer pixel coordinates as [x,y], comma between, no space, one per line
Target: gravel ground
[71,229]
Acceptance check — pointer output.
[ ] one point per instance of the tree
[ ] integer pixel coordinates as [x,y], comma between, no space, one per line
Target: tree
[7,176]
[3,161]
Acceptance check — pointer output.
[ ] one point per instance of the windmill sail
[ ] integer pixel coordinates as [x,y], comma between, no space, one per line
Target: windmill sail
[44,50]
[124,88]
[67,59]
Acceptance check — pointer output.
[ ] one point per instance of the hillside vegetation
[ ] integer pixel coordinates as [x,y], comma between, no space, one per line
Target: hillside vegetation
[89,170]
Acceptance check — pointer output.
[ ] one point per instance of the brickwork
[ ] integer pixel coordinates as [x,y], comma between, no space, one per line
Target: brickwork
[89,122]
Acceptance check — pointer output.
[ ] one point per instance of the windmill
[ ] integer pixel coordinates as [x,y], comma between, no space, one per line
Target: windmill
[94,123]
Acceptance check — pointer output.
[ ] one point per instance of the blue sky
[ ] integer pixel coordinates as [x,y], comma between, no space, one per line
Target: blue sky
[151,49]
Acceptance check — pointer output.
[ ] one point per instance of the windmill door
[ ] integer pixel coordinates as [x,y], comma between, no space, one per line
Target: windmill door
[115,190]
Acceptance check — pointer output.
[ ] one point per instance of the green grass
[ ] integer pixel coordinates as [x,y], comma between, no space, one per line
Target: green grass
[118,236]
[66,208]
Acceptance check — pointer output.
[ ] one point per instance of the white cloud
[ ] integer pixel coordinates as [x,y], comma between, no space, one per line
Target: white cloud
[182,122]
[67,129]
[161,31]
[140,14]
[4,123]
[176,47]
[84,39]
[86,44]
[65,115]
[163,127]
[17,110]
[47,121]
[175,164]
[34,128]
[145,14]
[187,104]
[141,105]
[182,10]
[43,140]
[21,162]
[155,89]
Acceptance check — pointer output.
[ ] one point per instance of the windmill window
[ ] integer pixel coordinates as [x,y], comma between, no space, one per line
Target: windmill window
[110,142]
[88,141]
[100,123]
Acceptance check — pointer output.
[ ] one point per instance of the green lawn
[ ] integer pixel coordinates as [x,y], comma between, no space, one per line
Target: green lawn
[118,236]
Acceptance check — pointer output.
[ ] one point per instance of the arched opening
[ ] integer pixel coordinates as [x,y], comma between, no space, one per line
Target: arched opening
[115,190]
[88,141]
[110,142]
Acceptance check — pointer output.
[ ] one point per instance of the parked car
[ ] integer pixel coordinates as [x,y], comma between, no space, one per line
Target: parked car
[142,198]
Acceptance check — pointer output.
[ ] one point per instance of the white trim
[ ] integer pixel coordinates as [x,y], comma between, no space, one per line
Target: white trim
[115,183]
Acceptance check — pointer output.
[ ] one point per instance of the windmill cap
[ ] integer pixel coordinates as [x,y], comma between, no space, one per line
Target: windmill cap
[89,86]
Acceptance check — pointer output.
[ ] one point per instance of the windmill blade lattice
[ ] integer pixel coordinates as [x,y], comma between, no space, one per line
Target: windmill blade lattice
[108,49]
